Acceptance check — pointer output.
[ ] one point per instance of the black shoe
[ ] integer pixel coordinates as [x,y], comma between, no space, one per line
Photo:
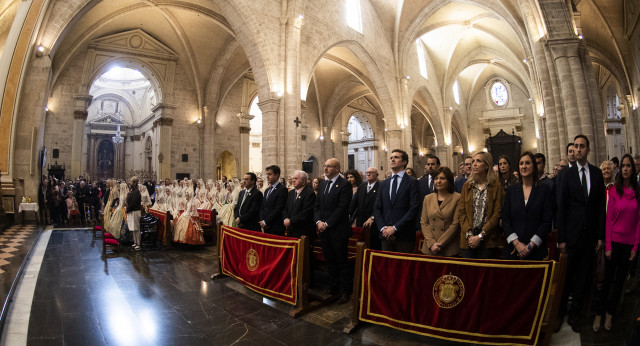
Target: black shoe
[344,297]
[574,323]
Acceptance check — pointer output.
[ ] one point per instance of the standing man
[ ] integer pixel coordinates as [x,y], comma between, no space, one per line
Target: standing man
[247,211]
[133,207]
[426,182]
[571,154]
[361,208]
[82,193]
[298,211]
[275,197]
[541,162]
[581,226]
[396,207]
[459,183]
[331,214]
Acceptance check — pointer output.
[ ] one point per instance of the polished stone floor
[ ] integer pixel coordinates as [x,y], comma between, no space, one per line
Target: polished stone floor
[167,298]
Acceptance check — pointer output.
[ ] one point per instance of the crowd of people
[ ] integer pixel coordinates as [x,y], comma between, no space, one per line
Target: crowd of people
[487,211]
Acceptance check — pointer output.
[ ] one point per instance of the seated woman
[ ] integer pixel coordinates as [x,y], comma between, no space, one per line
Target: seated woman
[527,213]
[116,223]
[228,202]
[439,221]
[186,228]
[72,207]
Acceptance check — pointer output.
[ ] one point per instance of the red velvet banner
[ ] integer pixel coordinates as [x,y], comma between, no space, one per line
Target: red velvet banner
[480,301]
[265,263]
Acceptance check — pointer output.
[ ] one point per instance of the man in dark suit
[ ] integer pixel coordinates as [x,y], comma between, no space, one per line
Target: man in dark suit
[275,197]
[247,211]
[361,208]
[331,215]
[396,207]
[298,211]
[459,183]
[581,226]
[571,154]
[426,182]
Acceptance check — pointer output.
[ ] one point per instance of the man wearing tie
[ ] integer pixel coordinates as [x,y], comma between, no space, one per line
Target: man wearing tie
[247,211]
[361,208]
[581,227]
[396,207]
[331,215]
[275,197]
[298,211]
[426,182]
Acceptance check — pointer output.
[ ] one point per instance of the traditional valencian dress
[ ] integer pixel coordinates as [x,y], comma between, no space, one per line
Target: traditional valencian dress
[186,229]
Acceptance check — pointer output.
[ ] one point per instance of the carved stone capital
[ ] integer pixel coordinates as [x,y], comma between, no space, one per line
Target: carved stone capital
[163,122]
[244,129]
[345,143]
[270,105]
[136,138]
[80,115]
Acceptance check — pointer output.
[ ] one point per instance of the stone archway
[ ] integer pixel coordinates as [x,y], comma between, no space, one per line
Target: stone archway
[227,165]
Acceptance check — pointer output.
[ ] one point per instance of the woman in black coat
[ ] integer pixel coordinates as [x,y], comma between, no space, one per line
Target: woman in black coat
[527,213]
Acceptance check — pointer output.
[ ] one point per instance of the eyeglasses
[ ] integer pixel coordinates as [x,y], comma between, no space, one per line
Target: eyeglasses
[370,172]
[329,166]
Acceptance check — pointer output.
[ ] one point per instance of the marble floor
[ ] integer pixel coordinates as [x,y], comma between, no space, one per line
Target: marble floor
[81,297]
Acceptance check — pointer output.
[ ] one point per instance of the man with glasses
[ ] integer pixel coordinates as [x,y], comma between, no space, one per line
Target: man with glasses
[331,214]
[361,208]
[396,207]
[458,183]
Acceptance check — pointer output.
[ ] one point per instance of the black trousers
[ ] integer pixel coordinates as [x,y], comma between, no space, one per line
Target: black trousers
[334,249]
[615,272]
[579,272]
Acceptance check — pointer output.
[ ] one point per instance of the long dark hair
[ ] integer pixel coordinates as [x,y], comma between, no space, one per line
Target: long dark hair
[536,178]
[633,181]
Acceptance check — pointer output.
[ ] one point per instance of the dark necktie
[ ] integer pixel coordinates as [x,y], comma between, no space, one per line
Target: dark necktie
[268,192]
[328,187]
[430,183]
[368,188]
[585,191]
[394,187]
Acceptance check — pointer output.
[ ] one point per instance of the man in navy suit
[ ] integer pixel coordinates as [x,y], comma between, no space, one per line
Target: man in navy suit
[331,215]
[581,226]
[275,197]
[247,211]
[426,182]
[397,205]
[459,183]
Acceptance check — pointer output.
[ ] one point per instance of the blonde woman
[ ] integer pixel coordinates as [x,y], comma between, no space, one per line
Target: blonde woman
[480,207]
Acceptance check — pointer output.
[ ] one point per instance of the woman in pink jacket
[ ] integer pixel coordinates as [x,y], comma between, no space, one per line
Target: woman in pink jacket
[622,237]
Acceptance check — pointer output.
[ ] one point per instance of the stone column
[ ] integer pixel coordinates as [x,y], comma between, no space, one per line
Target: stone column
[270,138]
[163,125]
[564,51]
[394,140]
[344,159]
[289,147]
[244,128]
[79,117]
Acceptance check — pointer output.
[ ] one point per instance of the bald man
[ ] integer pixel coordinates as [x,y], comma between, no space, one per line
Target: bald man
[361,209]
[331,214]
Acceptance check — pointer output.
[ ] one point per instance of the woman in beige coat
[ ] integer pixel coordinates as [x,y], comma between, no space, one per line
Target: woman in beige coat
[439,221]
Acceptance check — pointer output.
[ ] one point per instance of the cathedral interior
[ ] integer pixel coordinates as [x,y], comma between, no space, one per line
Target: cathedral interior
[212,88]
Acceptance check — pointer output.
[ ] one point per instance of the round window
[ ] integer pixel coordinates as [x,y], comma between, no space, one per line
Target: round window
[499,94]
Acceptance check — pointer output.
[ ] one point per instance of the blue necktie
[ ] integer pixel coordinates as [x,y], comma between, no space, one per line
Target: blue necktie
[394,187]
